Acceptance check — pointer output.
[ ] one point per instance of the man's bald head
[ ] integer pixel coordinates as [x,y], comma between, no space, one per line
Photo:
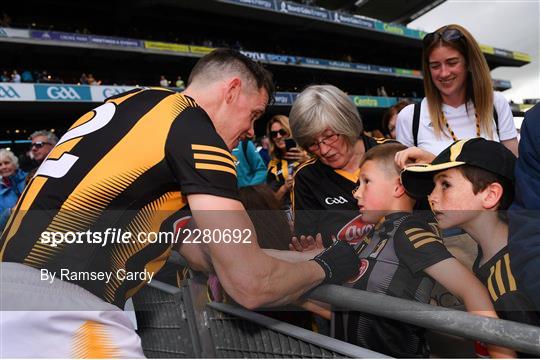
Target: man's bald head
[223,63]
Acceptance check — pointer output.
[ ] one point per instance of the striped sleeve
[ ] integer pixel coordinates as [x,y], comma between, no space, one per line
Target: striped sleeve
[198,156]
[418,246]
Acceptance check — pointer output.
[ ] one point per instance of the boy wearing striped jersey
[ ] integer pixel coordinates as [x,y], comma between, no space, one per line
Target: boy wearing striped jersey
[401,257]
[468,184]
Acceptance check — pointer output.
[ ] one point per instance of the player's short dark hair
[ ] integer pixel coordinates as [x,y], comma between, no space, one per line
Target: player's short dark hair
[481,179]
[384,155]
[221,59]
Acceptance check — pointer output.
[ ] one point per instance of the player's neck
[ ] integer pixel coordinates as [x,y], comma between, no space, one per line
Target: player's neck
[489,232]
[202,99]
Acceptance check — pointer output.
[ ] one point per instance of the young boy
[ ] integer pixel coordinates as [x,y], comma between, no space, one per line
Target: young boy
[468,184]
[401,257]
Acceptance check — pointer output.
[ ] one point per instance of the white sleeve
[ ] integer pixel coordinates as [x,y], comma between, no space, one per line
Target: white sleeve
[507,127]
[404,126]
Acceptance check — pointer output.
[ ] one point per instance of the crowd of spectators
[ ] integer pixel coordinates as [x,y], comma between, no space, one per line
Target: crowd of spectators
[29,76]
[32,76]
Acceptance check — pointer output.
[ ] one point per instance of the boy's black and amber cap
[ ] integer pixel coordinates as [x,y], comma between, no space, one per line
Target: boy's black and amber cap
[485,154]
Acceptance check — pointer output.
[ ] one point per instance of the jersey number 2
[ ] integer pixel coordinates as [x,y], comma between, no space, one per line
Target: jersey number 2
[57,168]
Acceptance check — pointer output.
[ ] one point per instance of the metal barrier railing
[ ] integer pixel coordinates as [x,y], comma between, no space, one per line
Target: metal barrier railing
[180,322]
[518,336]
[521,337]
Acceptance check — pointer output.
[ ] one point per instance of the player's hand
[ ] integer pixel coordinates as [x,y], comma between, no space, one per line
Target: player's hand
[296,154]
[339,262]
[306,243]
[413,155]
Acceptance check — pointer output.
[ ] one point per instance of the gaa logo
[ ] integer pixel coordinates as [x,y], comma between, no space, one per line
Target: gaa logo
[8,92]
[62,93]
[335,200]
[108,92]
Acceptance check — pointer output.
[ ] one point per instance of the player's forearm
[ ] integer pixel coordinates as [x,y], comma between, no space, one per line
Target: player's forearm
[286,282]
[291,256]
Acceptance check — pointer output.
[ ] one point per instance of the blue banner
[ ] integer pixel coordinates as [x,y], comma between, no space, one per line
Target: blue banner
[341,64]
[363,67]
[283,98]
[313,61]
[62,92]
[263,4]
[284,59]
[303,10]
[353,20]
[383,69]
[255,56]
[81,38]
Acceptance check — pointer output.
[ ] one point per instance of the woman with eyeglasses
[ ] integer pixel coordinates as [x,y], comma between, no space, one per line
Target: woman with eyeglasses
[13,181]
[283,161]
[326,123]
[460,102]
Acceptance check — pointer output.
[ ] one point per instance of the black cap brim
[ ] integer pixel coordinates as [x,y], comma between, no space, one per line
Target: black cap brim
[418,179]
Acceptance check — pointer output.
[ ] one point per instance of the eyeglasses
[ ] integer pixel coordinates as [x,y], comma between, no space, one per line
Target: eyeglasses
[39,144]
[274,134]
[328,140]
[446,35]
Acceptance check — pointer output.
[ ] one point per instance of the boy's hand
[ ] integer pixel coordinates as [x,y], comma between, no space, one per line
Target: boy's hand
[499,352]
[306,243]
[413,155]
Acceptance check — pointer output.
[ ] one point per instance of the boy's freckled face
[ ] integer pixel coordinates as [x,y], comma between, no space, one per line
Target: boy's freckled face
[453,200]
[374,194]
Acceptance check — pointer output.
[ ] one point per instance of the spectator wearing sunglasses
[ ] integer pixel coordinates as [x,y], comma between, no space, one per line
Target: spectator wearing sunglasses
[283,162]
[460,102]
[326,123]
[42,143]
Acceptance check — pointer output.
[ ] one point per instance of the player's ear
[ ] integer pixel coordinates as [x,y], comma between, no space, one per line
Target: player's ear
[491,195]
[233,89]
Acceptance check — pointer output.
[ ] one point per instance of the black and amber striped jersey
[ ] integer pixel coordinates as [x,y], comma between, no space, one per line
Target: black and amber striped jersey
[125,166]
[509,301]
[391,261]
[323,202]
[278,171]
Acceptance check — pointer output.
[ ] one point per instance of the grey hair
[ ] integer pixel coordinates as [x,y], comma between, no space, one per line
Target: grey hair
[53,139]
[7,154]
[320,107]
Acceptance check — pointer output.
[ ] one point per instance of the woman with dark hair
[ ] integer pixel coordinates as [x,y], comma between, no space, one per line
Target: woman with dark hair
[389,119]
[460,102]
[270,222]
